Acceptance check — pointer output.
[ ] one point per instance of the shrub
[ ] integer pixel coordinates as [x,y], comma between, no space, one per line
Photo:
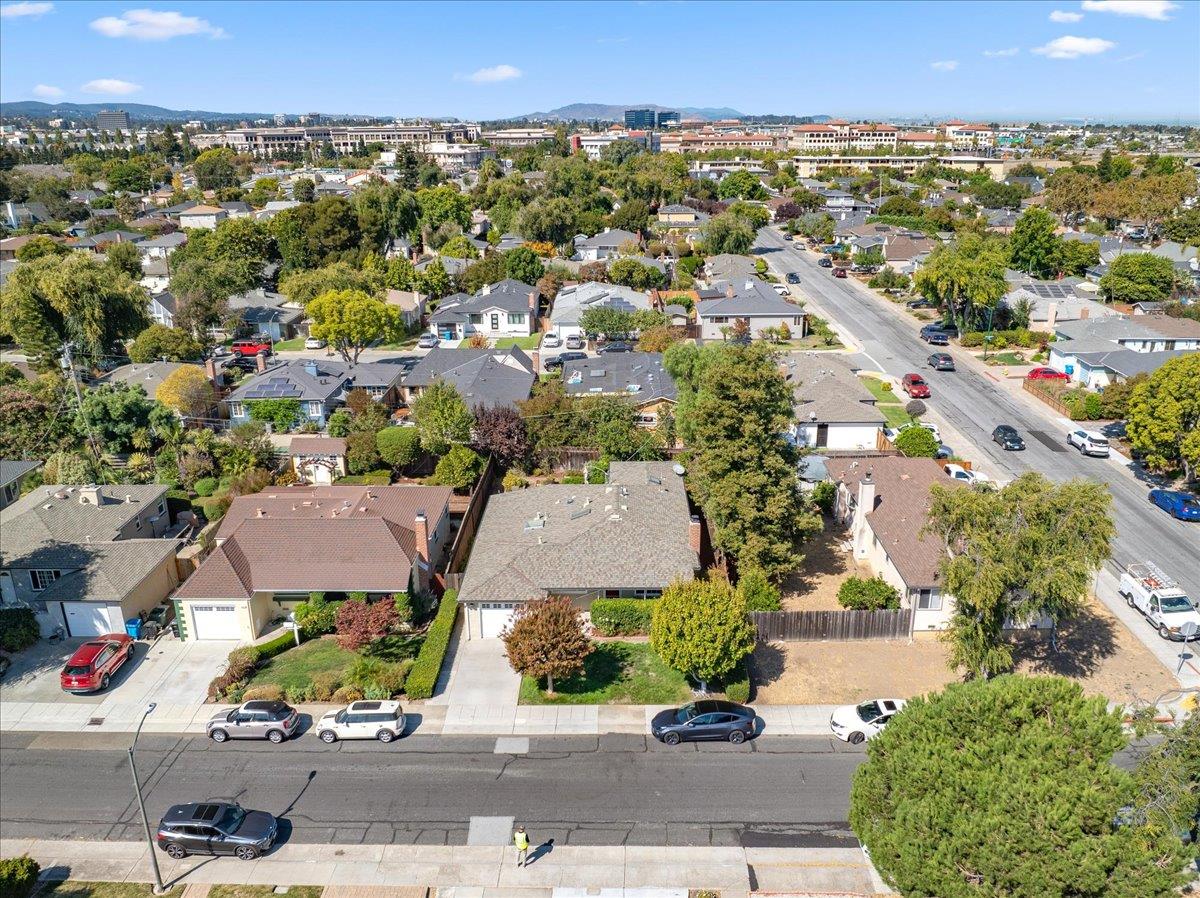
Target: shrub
[316,617]
[205,486]
[239,666]
[917,442]
[737,683]
[572,477]
[18,876]
[623,617]
[297,694]
[398,446]
[274,647]
[361,623]
[18,628]
[267,693]
[326,684]
[868,594]
[347,694]
[422,678]
[404,607]
[514,481]
[825,494]
[757,591]
[459,468]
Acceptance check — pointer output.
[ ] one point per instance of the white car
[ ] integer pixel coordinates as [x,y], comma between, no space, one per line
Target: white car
[314,343]
[780,289]
[551,340]
[892,432]
[854,723]
[1088,442]
[362,720]
[958,472]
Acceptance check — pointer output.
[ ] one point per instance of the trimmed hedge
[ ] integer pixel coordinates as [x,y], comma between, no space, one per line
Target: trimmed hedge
[737,683]
[18,628]
[623,617]
[276,646]
[18,876]
[423,677]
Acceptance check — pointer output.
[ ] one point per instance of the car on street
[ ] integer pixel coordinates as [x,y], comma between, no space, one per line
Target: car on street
[839,273]
[780,289]
[788,237]
[1046,374]
[962,475]
[704,720]
[362,720]
[427,341]
[856,723]
[941,361]
[557,361]
[1007,438]
[551,340]
[314,343]
[921,303]
[94,663]
[935,337]
[615,346]
[216,827]
[1088,442]
[825,262]
[575,341]
[792,277]
[252,346]
[1177,504]
[914,385]
[1150,590]
[272,720]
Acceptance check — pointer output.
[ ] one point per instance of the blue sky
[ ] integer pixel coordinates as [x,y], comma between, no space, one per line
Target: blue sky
[1110,59]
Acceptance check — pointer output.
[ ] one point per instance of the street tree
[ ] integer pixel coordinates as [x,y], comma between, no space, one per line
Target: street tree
[916,442]
[700,628]
[443,419]
[350,321]
[967,277]
[546,639]
[1162,418]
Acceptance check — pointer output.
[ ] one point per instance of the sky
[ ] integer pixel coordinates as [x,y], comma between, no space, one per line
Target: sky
[1115,60]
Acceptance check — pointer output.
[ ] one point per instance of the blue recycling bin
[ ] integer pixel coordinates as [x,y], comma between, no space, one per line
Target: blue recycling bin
[133,627]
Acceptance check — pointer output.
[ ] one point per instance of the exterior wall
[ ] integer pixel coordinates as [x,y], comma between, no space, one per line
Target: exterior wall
[504,328]
[597,253]
[207,222]
[710,328]
[839,436]
[153,590]
[310,410]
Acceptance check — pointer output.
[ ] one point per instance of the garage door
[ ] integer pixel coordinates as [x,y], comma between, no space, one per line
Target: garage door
[218,621]
[86,619]
[494,617]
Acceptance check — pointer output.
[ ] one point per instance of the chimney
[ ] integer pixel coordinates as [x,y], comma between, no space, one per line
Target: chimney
[1052,316]
[90,495]
[866,501]
[729,294]
[210,371]
[421,529]
[260,363]
[258,513]
[486,289]
[1084,313]
[694,534]
[128,499]
[536,358]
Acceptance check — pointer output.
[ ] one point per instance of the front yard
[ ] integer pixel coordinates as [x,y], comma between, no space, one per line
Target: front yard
[533,341]
[616,673]
[887,401]
[320,666]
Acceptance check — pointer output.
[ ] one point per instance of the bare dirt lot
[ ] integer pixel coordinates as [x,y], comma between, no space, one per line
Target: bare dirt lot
[814,585]
[1095,650]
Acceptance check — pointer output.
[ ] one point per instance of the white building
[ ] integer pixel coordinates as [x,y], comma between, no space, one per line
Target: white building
[833,409]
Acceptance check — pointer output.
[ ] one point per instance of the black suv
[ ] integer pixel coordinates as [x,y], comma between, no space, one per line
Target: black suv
[216,827]
[934,335]
[825,262]
[557,361]
[792,278]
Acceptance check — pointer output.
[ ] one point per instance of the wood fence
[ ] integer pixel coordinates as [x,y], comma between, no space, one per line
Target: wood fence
[573,458]
[811,626]
[1032,386]
[461,546]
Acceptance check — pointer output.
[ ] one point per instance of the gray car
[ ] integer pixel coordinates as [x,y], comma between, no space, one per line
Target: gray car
[216,827]
[275,721]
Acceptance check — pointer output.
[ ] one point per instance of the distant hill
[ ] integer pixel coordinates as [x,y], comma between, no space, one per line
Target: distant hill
[607,112]
[138,112]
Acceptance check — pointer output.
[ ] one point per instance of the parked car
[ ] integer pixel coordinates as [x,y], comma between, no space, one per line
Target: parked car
[1006,436]
[914,385]
[792,277]
[1088,442]
[575,341]
[1183,506]
[1046,374]
[216,827]
[247,364]
[788,237]
[362,720]
[855,723]
[935,336]
[962,475]
[709,719]
[252,346]
[921,303]
[428,341]
[1149,590]
[95,662]
[941,361]
[825,262]
[839,272]
[616,346]
[557,361]
[314,343]
[271,720]
[780,289]
[892,432]
[551,340]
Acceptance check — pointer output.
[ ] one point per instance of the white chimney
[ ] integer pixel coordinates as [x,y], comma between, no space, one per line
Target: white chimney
[90,495]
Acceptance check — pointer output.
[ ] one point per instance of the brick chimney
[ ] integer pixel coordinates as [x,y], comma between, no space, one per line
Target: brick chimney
[424,566]
[729,294]
[260,363]
[210,371]
[694,534]
[535,358]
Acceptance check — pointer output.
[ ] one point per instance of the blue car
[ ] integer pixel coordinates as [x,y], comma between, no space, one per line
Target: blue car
[1184,506]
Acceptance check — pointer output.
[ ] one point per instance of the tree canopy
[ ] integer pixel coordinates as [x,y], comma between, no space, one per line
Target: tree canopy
[350,321]
[1163,416]
[700,628]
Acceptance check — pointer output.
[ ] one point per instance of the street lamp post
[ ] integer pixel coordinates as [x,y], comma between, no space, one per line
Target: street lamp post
[137,788]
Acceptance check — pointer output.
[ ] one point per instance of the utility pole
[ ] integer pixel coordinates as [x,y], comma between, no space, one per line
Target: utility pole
[137,788]
[70,366]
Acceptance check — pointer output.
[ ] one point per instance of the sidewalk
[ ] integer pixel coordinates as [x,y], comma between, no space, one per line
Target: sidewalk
[478,869]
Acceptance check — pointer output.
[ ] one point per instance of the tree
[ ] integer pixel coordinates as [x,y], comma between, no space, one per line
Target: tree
[442,417]
[439,205]
[459,247]
[635,274]
[788,211]
[126,176]
[361,623]
[187,390]
[203,288]
[304,286]
[361,454]
[214,169]
[742,185]
[1033,244]
[700,628]
[759,593]
[914,408]
[39,246]
[1163,416]
[522,264]
[459,468]
[398,446]
[1070,192]
[967,277]
[161,342]
[917,442]
[997,195]
[350,321]
[901,205]
[500,432]
[433,280]
[868,594]
[726,233]
[30,425]
[1029,549]
[1183,227]
[114,414]
[631,216]
[385,211]
[551,219]
[546,639]
[303,190]
[1138,277]
[1113,168]
[1008,787]
[593,272]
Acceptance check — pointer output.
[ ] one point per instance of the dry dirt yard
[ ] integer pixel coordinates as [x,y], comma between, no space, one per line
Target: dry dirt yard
[814,585]
[1096,650]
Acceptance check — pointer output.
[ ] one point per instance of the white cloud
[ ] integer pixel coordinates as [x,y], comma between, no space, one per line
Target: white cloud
[48,91]
[1069,47]
[155,25]
[944,65]
[27,10]
[112,86]
[1010,51]
[1142,9]
[1060,15]
[491,74]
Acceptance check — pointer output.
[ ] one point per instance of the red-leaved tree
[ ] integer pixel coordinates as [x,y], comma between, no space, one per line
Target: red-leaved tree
[546,639]
[361,623]
[500,430]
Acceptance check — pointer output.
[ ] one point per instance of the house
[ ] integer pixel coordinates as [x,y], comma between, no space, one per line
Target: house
[149,375]
[1099,369]
[631,537]
[753,301]
[236,209]
[320,387]
[274,207]
[10,245]
[156,275]
[319,460]
[202,216]
[410,303]
[397,248]
[275,547]
[163,307]
[505,309]
[572,302]
[676,215]
[638,377]
[884,503]
[87,558]
[1083,349]
[605,245]
[1149,308]
[727,267]
[162,246]
[15,216]
[483,377]
[264,312]
[450,265]
[906,252]
[12,478]
[1053,301]
[97,243]
[833,408]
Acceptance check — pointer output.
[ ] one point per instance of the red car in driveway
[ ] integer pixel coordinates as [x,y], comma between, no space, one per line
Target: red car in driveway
[914,385]
[1046,374]
[95,662]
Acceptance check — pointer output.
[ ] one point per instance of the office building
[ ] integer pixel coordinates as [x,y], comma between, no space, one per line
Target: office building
[639,119]
[112,120]
[668,119]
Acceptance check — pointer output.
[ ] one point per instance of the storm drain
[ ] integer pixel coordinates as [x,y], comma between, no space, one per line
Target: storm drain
[95,721]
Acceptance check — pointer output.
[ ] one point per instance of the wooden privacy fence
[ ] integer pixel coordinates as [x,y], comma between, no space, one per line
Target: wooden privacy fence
[811,626]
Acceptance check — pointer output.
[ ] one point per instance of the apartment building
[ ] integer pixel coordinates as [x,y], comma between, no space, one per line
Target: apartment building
[710,139]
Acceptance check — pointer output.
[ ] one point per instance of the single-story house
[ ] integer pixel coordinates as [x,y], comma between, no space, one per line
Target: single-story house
[1094,340]
[264,312]
[319,460]
[605,245]
[833,408]
[505,309]
[162,246]
[275,547]
[98,242]
[410,303]
[1053,301]
[12,478]
[638,377]
[1097,370]
[147,375]
[753,301]
[483,377]
[727,267]
[203,217]
[571,303]
[320,386]
[585,541]
[677,215]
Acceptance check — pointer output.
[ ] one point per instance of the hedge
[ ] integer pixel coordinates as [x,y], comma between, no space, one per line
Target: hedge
[1003,339]
[424,674]
[737,683]
[18,628]
[274,647]
[18,876]
[623,617]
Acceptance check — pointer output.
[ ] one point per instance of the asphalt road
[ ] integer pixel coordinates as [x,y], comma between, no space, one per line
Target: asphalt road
[974,404]
[584,790]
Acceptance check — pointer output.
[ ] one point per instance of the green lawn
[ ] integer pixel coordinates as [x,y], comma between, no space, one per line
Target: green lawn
[1005,358]
[232,891]
[616,673]
[531,342]
[292,345]
[296,667]
[76,889]
[887,401]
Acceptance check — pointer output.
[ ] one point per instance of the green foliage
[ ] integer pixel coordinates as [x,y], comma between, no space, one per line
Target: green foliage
[623,617]
[1008,787]
[1163,416]
[239,666]
[340,423]
[1183,227]
[736,683]
[422,678]
[635,274]
[726,233]
[214,169]
[868,594]
[442,418]
[1138,277]
[916,442]
[398,446]
[824,494]
[459,468]
[18,628]
[700,628]
[205,486]
[115,413]
[1033,244]
[758,592]
[305,286]
[616,324]
[743,185]
[350,321]
[361,454]
[282,413]
[159,341]
[967,277]
[459,247]
[754,215]
[522,264]
[18,876]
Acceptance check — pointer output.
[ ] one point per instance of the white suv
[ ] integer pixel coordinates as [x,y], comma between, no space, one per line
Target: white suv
[1088,442]
[362,720]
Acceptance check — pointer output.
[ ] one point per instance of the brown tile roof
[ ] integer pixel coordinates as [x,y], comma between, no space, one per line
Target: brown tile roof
[1185,328]
[904,248]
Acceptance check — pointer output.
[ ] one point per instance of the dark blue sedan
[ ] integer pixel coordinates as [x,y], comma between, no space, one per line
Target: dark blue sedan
[712,719]
[1180,505]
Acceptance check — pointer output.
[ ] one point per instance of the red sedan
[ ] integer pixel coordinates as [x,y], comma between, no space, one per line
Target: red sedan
[1046,374]
[914,385]
[95,662]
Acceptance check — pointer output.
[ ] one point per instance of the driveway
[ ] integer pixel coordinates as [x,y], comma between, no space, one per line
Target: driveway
[479,674]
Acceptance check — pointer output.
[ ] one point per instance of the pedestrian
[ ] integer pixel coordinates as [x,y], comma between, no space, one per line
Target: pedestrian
[521,843]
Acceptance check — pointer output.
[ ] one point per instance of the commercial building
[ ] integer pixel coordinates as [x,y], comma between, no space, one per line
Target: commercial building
[112,120]
[640,118]
[346,139]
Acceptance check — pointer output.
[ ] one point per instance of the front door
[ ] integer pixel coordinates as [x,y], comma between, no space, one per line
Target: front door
[822,435]
[495,322]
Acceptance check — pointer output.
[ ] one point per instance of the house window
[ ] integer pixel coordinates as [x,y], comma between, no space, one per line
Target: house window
[929,599]
[161,509]
[39,580]
[236,410]
[516,317]
[476,318]
[720,319]
[314,409]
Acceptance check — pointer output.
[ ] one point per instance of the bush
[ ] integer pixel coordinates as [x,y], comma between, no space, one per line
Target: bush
[326,684]
[205,486]
[737,683]
[274,647]
[757,591]
[347,694]
[572,477]
[379,679]
[239,666]
[1022,337]
[868,594]
[514,481]
[422,678]
[361,623]
[917,442]
[316,617]
[18,876]
[623,617]
[18,628]
[825,494]
[459,468]
[297,694]
[398,446]
[267,693]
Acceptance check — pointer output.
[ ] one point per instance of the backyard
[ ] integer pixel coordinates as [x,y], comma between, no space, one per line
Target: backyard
[827,565]
[887,401]
[616,673]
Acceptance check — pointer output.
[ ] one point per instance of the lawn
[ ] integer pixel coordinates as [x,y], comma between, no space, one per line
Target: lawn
[1005,358]
[887,401]
[293,345]
[616,673]
[409,342]
[531,342]
[296,667]
[239,891]
[76,889]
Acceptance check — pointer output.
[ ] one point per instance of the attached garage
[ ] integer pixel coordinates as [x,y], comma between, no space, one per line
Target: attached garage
[224,620]
[494,617]
[91,618]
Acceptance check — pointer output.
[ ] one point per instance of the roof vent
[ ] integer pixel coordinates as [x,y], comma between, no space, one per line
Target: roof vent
[579,513]
[536,523]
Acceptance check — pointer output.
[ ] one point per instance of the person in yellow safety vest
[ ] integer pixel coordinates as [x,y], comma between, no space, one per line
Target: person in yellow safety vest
[521,843]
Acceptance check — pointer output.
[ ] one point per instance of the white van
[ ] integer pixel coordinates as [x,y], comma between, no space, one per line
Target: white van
[1088,442]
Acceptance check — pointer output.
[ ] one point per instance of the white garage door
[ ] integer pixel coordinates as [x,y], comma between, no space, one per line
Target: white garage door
[218,621]
[86,619]
[494,617]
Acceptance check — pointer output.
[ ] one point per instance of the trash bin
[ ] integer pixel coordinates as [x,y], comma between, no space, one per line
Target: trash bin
[133,627]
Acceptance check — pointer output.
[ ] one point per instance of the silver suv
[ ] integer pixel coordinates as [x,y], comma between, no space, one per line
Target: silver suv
[362,720]
[275,721]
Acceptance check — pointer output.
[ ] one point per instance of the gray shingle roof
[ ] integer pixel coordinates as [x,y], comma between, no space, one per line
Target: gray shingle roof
[41,517]
[751,297]
[638,375]
[11,470]
[483,377]
[508,295]
[826,387]
[309,379]
[1128,362]
[109,571]
[572,302]
[610,239]
[148,376]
